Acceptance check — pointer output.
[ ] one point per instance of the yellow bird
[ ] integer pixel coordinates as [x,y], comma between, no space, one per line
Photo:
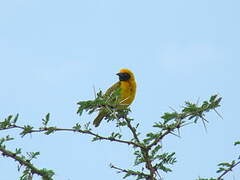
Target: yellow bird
[127,86]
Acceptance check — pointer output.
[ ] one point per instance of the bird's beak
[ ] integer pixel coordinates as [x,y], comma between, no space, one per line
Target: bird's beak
[120,75]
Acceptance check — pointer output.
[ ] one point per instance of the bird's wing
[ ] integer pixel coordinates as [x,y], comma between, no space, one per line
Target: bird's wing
[111,90]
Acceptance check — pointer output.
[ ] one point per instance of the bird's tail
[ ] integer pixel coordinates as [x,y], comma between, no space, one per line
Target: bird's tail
[99,118]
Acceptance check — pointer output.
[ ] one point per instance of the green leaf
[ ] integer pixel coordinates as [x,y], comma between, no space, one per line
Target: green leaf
[224,164]
[46,119]
[50,130]
[236,143]
[155,150]
[77,127]
[15,119]
[33,155]
[7,138]
[26,130]
[169,116]
[213,98]
[18,151]
[48,174]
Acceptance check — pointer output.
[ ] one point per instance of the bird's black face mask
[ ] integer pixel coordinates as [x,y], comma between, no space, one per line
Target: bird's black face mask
[123,76]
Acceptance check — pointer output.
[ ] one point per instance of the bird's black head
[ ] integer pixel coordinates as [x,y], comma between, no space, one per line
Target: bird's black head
[123,76]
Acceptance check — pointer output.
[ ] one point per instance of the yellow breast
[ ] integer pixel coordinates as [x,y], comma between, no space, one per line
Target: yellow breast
[127,93]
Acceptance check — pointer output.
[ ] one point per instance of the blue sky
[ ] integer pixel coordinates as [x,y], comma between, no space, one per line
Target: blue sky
[52,53]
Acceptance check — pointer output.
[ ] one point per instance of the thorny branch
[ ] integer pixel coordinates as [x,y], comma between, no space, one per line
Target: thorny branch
[46,129]
[148,147]
[41,172]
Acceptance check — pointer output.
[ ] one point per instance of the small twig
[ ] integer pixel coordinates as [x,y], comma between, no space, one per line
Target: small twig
[218,113]
[176,134]
[160,137]
[144,151]
[228,170]
[135,173]
[174,110]
[120,103]
[94,91]
[203,121]
[25,163]
[132,129]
